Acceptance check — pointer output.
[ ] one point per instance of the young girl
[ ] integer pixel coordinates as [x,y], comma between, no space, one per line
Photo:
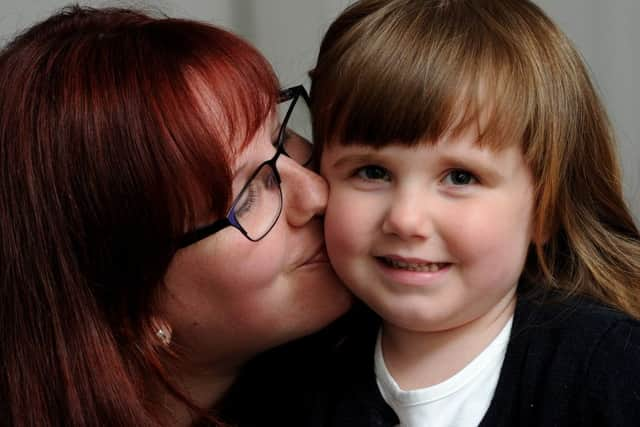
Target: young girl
[476,207]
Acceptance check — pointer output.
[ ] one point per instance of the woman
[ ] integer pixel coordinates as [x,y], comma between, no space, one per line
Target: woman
[158,229]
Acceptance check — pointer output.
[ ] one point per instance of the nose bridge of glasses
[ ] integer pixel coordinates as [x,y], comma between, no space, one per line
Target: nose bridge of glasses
[295,130]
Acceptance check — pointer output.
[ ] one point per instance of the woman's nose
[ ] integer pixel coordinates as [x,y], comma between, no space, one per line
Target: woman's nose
[305,193]
[408,216]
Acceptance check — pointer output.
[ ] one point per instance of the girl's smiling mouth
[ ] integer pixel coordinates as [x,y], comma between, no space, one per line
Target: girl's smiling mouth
[413,265]
[411,271]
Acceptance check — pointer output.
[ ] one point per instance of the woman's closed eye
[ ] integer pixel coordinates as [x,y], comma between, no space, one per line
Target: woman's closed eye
[246,201]
[459,177]
[258,194]
[269,181]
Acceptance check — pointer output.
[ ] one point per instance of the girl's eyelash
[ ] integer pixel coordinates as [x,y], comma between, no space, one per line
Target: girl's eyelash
[382,173]
[468,178]
[456,177]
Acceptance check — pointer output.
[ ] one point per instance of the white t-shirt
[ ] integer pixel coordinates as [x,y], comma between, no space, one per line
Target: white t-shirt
[460,401]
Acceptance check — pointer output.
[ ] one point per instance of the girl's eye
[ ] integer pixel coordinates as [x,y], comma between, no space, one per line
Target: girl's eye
[460,177]
[373,173]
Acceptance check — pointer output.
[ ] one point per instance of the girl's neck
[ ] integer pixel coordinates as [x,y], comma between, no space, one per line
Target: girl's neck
[421,359]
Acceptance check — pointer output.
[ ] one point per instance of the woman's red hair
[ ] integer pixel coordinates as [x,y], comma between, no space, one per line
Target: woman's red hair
[107,153]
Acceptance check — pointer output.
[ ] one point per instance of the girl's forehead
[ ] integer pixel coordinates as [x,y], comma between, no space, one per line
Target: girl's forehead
[493,109]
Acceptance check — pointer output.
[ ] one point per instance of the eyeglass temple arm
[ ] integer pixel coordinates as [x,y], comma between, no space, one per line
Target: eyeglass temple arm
[203,232]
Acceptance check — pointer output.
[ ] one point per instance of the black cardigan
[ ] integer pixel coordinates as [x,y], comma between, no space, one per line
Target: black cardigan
[568,363]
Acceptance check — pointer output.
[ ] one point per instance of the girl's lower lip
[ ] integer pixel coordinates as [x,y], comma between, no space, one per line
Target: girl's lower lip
[408,277]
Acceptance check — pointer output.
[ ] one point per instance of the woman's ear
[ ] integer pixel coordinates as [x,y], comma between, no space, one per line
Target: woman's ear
[162,330]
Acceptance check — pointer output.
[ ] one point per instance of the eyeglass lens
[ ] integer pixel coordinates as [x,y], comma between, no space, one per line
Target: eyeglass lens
[258,206]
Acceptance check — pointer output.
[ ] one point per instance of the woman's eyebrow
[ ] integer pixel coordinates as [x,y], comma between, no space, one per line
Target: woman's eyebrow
[238,170]
[275,124]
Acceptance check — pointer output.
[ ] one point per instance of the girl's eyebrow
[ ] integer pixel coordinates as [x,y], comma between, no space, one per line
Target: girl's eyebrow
[355,158]
[484,167]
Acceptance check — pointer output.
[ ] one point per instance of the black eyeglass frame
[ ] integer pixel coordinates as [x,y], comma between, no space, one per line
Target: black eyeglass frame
[293,93]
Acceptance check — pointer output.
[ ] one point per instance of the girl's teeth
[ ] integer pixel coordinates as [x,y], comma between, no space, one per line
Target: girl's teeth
[430,267]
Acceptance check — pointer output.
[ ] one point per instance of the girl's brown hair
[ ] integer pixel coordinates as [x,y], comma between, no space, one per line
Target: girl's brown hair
[407,71]
[117,130]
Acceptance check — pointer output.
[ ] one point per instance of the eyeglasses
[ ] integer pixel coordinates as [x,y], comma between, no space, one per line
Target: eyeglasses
[257,207]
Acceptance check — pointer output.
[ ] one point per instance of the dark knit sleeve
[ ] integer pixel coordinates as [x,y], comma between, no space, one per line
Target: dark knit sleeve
[613,378]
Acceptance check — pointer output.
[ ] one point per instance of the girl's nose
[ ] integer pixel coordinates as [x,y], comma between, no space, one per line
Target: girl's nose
[407,216]
[305,193]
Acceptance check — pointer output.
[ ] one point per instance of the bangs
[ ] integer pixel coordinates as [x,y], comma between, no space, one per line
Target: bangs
[234,85]
[131,124]
[415,75]
[230,92]
[196,96]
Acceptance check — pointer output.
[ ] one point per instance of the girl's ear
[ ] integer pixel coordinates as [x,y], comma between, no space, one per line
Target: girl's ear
[541,231]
